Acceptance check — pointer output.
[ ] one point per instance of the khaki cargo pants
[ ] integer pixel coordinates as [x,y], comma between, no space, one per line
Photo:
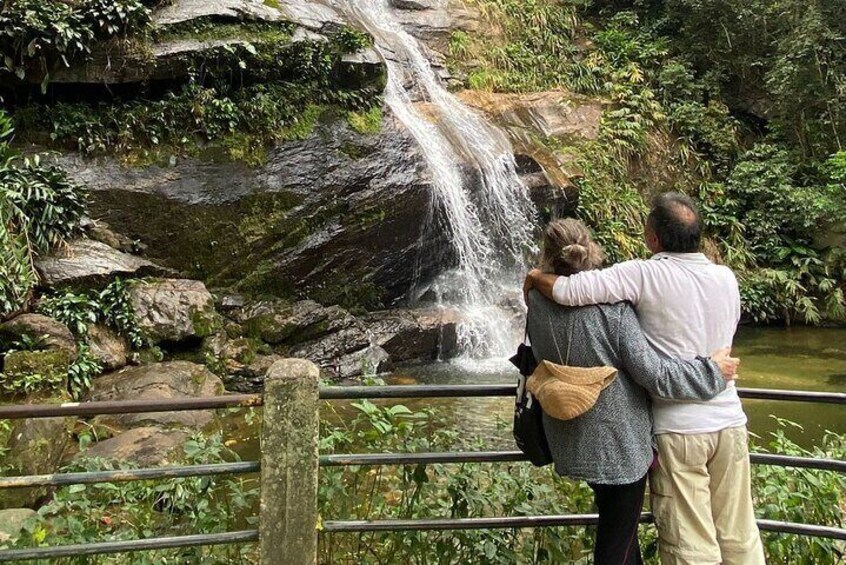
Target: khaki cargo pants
[702,502]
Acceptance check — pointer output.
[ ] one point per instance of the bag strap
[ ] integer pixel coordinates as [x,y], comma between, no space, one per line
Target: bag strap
[555,341]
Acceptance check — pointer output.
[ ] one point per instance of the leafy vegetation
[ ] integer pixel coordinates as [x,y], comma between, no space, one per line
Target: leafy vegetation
[239,97]
[368,122]
[133,510]
[745,112]
[35,35]
[39,208]
[78,310]
[80,513]
[800,495]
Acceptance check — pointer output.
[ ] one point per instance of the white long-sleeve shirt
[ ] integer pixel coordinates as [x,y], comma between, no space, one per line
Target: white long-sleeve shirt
[687,306]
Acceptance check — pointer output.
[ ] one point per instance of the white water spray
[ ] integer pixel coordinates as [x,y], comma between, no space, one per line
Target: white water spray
[489,221]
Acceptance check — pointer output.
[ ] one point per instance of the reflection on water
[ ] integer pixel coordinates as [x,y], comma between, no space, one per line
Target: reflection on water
[798,359]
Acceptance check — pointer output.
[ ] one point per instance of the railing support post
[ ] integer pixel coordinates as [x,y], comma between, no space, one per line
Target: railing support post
[289,464]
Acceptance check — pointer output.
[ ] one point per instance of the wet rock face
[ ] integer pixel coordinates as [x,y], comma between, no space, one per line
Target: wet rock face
[337,217]
[415,335]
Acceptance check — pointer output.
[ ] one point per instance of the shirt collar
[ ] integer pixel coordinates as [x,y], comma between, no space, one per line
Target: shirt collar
[698,258]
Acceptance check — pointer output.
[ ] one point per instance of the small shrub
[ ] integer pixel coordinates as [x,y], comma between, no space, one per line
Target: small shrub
[369,122]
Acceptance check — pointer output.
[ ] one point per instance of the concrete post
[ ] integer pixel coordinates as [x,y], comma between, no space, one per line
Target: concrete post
[289,464]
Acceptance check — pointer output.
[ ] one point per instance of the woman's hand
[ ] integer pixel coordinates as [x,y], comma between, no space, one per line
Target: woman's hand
[727,364]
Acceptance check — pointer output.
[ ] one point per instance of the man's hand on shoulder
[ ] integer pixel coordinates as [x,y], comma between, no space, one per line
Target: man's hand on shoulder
[529,283]
[540,281]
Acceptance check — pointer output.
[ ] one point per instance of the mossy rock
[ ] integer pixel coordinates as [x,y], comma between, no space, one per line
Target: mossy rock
[35,447]
[26,372]
[174,310]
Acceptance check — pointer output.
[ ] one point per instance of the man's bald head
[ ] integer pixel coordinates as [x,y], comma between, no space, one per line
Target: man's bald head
[675,221]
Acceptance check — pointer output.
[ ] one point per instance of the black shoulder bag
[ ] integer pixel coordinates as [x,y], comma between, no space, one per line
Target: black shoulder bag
[528,415]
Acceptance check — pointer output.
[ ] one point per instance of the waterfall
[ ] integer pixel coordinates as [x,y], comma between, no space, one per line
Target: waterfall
[489,220]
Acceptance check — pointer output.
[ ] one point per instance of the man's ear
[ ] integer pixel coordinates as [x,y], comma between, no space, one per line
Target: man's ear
[652,241]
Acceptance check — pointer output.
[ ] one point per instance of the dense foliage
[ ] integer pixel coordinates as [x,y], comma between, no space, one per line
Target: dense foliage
[35,35]
[133,510]
[747,112]
[78,310]
[39,208]
[216,504]
[256,86]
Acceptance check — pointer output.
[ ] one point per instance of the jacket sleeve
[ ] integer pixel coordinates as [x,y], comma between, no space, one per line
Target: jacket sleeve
[623,281]
[697,379]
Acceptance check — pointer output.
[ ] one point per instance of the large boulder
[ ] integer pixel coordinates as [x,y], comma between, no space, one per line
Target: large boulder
[145,447]
[12,522]
[40,346]
[415,335]
[278,322]
[39,371]
[173,309]
[153,382]
[45,333]
[107,347]
[85,262]
[35,447]
[336,202]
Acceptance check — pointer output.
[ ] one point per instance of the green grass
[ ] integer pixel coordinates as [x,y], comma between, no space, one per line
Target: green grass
[369,122]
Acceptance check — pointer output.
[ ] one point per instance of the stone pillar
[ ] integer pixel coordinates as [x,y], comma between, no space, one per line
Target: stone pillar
[289,464]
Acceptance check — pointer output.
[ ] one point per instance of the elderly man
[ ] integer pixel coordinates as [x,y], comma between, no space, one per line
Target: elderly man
[687,306]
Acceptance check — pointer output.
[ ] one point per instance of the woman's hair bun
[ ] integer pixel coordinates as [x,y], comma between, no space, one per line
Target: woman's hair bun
[574,254]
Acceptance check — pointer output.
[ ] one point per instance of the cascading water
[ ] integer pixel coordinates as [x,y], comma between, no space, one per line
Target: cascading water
[490,219]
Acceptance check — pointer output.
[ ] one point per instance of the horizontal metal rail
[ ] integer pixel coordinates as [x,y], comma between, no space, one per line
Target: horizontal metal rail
[124,475]
[148,544]
[363,526]
[792,395]
[776,460]
[511,456]
[507,522]
[441,524]
[346,460]
[416,391]
[352,459]
[17,411]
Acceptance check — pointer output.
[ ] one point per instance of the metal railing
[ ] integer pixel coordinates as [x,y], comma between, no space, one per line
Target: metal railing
[359,459]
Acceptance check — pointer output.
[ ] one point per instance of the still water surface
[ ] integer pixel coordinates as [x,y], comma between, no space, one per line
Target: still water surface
[812,359]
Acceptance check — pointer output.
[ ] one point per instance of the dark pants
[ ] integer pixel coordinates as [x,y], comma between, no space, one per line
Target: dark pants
[616,536]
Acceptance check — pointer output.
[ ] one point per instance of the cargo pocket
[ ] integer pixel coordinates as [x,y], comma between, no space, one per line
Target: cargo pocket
[661,499]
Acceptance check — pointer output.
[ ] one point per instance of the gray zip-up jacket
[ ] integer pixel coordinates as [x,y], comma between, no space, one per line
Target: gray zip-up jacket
[612,442]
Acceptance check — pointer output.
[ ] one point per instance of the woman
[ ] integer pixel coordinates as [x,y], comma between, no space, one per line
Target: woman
[610,446]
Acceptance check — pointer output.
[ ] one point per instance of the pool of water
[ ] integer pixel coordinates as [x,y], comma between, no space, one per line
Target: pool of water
[812,359]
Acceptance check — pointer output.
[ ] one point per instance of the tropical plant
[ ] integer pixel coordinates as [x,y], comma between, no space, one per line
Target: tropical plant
[35,35]
[39,208]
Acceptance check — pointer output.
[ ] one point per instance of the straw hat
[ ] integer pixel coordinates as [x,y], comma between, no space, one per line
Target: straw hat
[566,392]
